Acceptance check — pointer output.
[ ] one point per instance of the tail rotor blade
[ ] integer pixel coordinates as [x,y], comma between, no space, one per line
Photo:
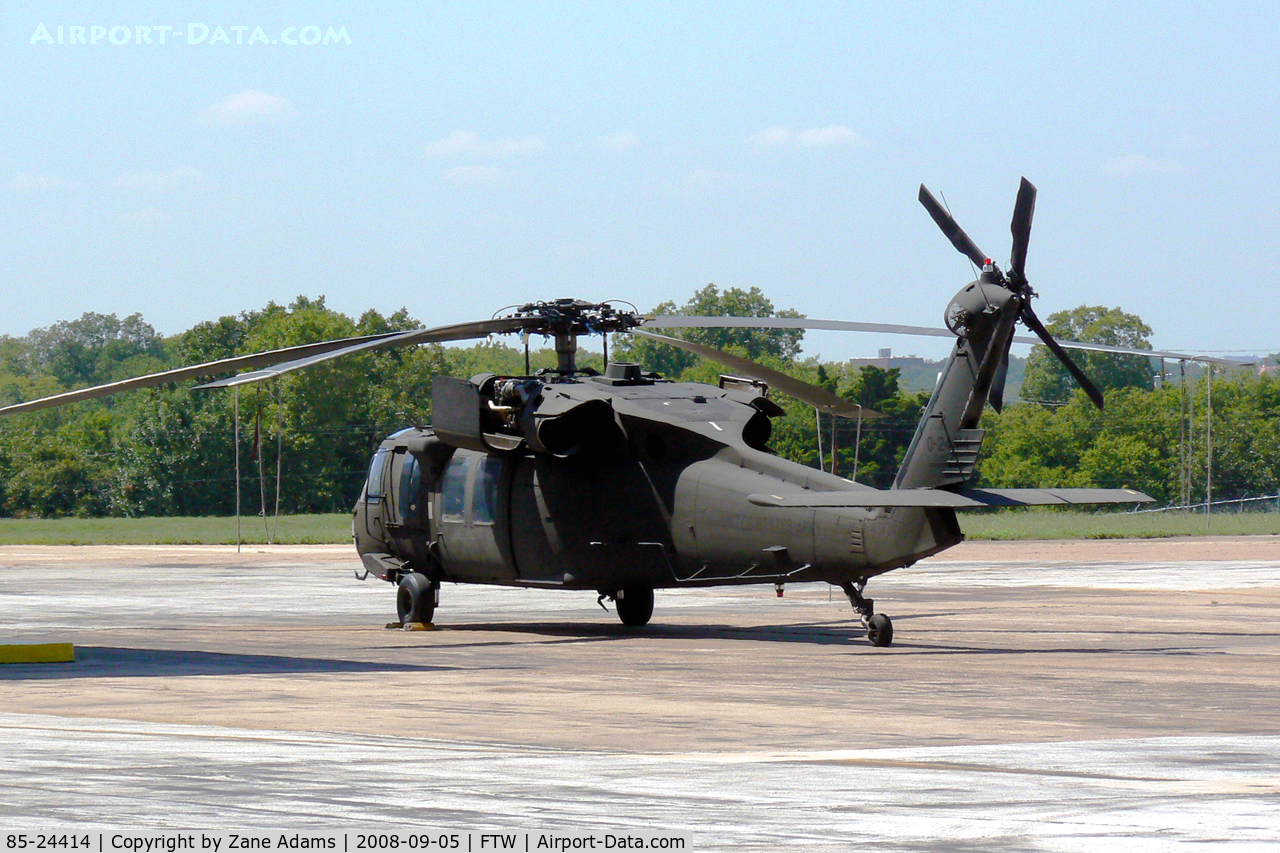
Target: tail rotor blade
[996,397]
[1034,324]
[949,226]
[1023,211]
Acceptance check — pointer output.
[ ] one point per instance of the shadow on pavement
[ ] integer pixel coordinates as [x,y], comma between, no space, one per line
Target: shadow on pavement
[813,633]
[106,662]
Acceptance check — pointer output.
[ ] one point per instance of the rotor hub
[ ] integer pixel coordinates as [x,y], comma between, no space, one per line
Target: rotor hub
[972,311]
[576,317]
[565,319]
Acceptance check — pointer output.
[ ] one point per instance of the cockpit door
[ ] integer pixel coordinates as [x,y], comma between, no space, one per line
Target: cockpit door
[472,501]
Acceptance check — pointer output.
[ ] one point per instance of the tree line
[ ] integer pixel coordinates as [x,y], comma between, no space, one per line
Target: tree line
[170,450]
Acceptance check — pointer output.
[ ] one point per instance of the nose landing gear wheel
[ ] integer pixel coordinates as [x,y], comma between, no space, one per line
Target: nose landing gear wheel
[416,599]
[879,630]
[635,606]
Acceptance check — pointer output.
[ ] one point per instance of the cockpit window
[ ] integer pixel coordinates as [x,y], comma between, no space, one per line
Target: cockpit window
[373,488]
[453,489]
[410,488]
[485,503]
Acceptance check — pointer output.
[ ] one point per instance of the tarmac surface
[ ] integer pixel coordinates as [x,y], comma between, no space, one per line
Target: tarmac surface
[1038,696]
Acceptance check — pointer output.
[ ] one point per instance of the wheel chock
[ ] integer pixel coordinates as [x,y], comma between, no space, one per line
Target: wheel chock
[419,626]
[38,653]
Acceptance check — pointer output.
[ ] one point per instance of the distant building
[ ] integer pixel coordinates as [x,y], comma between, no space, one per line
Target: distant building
[886,360]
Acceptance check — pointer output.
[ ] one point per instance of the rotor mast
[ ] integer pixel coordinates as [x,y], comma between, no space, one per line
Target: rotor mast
[566,353]
[566,319]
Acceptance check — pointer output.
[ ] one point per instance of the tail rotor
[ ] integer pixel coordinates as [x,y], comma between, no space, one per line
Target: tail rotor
[995,364]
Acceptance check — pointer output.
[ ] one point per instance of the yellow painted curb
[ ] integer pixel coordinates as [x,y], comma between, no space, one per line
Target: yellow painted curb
[38,653]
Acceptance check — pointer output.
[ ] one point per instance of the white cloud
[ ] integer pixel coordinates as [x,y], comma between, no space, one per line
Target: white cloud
[458,142]
[617,142]
[159,181]
[705,179]
[28,181]
[826,137]
[774,137]
[247,106]
[832,136]
[473,175]
[1141,164]
[462,142]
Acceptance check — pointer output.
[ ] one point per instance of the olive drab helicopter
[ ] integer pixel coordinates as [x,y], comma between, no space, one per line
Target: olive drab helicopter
[624,482]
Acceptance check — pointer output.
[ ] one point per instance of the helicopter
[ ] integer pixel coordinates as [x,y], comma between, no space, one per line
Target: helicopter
[624,482]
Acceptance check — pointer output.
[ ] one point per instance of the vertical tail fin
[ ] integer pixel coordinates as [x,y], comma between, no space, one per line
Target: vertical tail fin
[945,448]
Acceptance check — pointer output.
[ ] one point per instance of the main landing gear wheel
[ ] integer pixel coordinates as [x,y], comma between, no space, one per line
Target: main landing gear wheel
[635,606]
[879,630]
[416,598]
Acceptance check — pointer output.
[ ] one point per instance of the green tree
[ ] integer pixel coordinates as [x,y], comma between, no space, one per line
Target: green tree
[96,348]
[873,386]
[170,449]
[877,452]
[711,301]
[1135,443]
[1047,380]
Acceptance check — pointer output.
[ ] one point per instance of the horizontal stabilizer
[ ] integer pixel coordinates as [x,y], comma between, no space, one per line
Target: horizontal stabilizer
[966,499]
[1055,497]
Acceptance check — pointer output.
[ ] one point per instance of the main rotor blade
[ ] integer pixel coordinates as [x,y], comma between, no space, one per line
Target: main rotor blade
[951,228]
[689,321]
[178,374]
[1033,323]
[284,360]
[459,332]
[1023,211]
[801,390]
[1151,353]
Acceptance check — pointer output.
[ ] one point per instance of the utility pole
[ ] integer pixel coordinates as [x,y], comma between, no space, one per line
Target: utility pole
[1182,433]
[236,410]
[1208,444]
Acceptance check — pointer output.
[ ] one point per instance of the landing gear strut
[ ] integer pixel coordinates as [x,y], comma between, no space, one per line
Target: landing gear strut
[879,627]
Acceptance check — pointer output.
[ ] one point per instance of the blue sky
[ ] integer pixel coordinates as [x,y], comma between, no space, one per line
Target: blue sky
[454,158]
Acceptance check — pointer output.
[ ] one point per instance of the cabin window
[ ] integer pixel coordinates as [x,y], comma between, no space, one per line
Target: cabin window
[485,501]
[453,489]
[410,488]
[373,488]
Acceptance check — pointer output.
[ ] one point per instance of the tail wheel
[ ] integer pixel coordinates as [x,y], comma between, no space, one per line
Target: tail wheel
[635,606]
[879,630]
[416,598]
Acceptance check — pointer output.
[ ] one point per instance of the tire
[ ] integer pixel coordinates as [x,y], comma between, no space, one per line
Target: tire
[416,599]
[879,630]
[635,606]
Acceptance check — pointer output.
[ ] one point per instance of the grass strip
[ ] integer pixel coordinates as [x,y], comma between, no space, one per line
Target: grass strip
[1076,524]
[293,530]
[336,528]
